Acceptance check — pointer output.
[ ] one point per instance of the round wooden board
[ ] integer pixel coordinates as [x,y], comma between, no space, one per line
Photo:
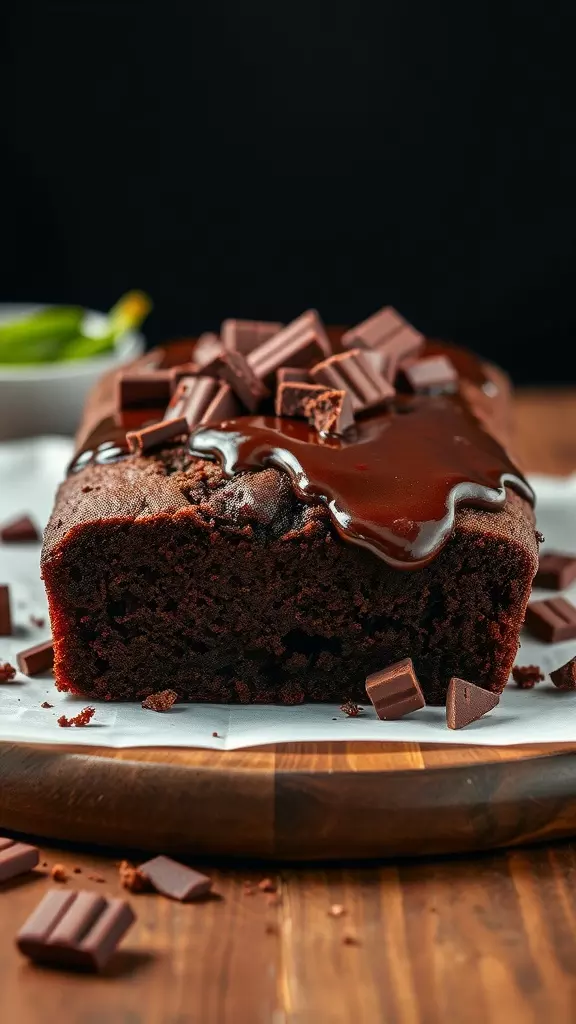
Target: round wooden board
[292,801]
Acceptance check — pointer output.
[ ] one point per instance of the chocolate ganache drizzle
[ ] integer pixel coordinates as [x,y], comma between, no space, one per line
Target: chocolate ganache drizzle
[391,483]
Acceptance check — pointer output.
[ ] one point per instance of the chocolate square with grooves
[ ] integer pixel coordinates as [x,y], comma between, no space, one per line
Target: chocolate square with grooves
[301,343]
[245,335]
[371,333]
[555,571]
[16,858]
[399,350]
[351,371]
[37,659]
[75,929]
[552,620]
[175,880]
[395,691]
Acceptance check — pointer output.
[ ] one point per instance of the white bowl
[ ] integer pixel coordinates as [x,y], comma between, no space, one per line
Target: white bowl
[48,398]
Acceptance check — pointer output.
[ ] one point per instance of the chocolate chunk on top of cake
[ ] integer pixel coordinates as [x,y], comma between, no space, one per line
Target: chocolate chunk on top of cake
[256,557]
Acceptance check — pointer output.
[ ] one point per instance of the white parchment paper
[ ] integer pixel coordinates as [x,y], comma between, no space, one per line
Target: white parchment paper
[29,474]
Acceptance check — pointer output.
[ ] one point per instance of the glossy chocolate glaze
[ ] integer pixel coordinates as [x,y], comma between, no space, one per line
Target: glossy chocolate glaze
[391,484]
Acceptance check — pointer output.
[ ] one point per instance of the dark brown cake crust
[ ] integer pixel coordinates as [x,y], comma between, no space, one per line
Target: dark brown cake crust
[160,571]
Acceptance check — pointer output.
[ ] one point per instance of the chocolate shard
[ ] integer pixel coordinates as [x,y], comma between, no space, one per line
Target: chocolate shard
[203,400]
[565,676]
[5,613]
[302,342]
[175,880]
[555,571]
[395,690]
[330,412]
[434,375]
[374,331]
[245,335]
[35,660]
[552,620]
[140,441]
[235,369]
[16,858]
[400,350]
[143,390]
[288,374]
[20,531]
[351,371]
[466,703]
[75,929]
[177,373]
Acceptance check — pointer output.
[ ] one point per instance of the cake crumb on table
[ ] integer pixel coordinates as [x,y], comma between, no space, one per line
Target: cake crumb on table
[45,704]
[7,672]
[267,885]
[526,676]
[131,877]
[351,709]
[82,718]
[161,701]
[59,873]
[336,910]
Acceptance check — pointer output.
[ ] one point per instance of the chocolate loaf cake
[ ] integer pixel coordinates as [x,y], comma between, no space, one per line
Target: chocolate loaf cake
[273,514]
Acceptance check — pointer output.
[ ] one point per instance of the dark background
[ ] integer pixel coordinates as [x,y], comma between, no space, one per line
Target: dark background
[248,160]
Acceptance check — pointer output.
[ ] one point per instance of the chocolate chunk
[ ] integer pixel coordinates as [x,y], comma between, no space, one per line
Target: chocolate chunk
[5,614]
[207,348]
[555,571]
[552,620]
[175,880]
[235,369]
[302,342]
[395,690]
[351,371]
[177,373]
[289,374]
[466,703]
[330,412]
[142,390]
[292,396]
[20,531]
[526,676]
[16,858]
[434,375]
[161,701]
[565,676]
[203,400]
[140,441]
[399,350]
[75,929]
[35,660]
[371,333]
[245,335]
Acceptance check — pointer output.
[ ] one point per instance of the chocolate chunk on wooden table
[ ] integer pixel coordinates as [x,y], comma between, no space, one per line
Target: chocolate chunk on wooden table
[5,613]
[37,659]
[555,571]
[395,690]
[552,620]
[466,703]
[75,929]
[175,880]
[16,858]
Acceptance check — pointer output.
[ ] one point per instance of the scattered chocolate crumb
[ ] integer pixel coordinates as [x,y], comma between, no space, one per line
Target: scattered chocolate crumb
[96,878]
[526,676]
[216,734]
[274,899]
[161,701]
[350,939]
[37,620]
[336,910]
[77,870]
[45,704]
[86,489]
[351,709]
[131,877]
[539,536]
[59,873]
[267,885]
[44,864]
[7,672]
[82,718]
[271,928]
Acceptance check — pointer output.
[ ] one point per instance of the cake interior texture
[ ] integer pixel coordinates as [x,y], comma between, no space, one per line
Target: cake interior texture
[162,572]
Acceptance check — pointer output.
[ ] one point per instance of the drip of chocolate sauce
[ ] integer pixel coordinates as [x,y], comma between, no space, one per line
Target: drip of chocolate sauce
[392,484]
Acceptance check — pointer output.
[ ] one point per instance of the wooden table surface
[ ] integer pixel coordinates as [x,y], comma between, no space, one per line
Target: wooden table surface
[484,938]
